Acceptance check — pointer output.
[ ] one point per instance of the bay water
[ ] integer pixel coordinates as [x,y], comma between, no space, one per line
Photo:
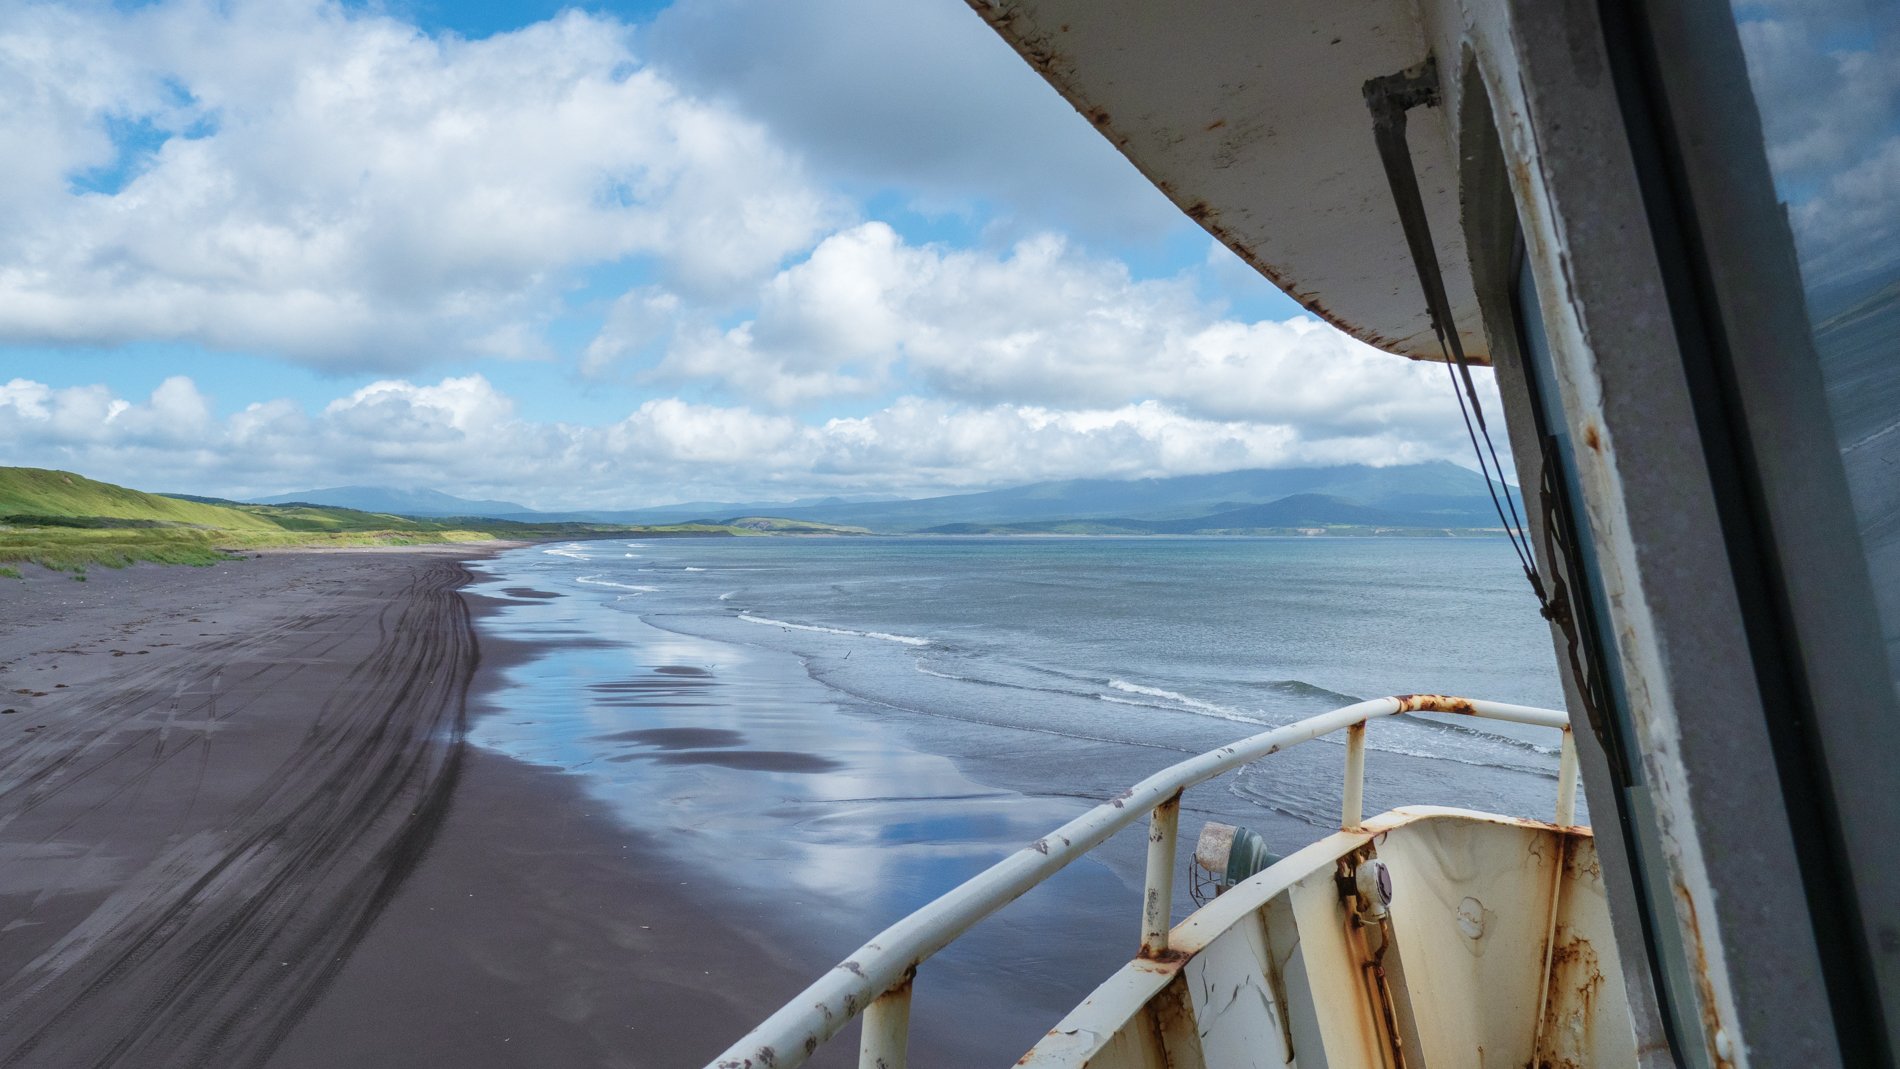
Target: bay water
[826,733]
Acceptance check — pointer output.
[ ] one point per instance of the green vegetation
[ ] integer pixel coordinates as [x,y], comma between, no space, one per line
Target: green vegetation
[38,492]
[777,525]
[66,521]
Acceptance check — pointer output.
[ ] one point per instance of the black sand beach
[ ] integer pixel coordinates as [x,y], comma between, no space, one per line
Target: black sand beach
[211,780]
[351,808]
[541,932]
[215,783]
[240,828]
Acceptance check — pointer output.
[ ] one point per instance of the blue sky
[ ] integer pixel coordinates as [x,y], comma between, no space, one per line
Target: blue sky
[621,254]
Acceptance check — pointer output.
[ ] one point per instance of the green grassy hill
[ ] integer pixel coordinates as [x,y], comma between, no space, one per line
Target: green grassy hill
[62,520]
[40,493]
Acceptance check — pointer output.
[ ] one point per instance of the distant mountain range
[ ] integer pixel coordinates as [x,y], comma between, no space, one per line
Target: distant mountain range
[1298,512]
[400,502]
[1430,495]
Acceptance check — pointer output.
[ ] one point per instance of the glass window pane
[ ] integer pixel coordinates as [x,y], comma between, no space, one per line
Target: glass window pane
[1826,75]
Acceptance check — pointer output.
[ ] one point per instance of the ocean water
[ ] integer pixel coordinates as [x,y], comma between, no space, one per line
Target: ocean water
[831,732]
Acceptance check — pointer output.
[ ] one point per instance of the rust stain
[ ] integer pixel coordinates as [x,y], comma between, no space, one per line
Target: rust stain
[1576,980]
[1705,986]
[1592,438]
[1097,116]
[1434,703]
[1171,956]
[1215,125]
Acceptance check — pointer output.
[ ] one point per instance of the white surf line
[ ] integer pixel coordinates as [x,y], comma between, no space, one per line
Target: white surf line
[595,580]
[1192,704]
[1870,439]
[908,640]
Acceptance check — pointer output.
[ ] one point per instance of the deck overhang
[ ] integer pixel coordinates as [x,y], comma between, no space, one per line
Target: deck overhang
[1252,118]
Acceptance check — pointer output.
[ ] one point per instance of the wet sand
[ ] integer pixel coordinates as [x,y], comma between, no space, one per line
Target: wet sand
[211,781]
[551,925]
[247,831]
[240,826]
[542,932]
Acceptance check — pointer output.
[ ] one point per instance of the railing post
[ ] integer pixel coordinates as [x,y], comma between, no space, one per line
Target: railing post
[1157,905]
[1353,805]
[884,1040]
[1567,782]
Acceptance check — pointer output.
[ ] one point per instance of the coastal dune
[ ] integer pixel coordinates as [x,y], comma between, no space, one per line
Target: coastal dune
[211,780]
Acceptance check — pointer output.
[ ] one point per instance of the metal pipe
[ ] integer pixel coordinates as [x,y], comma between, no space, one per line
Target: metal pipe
[785,1039]
[1353,798]
[1157,909]
[1567,782]
[1550,934]
[884,1042]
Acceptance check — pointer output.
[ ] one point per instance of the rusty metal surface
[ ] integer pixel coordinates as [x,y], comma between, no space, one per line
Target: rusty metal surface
[789,1036]
[1249,118]
[1275,974]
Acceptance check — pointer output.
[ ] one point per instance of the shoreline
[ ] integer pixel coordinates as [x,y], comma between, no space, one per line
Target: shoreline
[541,930]
[474,904]
[547,926]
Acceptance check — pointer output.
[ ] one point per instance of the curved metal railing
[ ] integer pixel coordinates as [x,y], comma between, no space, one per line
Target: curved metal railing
[876,979]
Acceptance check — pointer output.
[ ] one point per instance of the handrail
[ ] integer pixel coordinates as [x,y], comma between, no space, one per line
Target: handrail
[876,979]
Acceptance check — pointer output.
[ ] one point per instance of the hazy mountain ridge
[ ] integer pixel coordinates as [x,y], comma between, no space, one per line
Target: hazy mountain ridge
[401,502]
[1297,512]
[1435,494]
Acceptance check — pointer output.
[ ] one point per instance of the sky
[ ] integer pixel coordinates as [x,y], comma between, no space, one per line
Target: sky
[621,254]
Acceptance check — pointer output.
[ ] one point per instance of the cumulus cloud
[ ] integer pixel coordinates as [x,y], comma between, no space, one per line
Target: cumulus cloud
[1826,76]
[337,187]
[1041,323]
[462,435]
[305,180]
[920,97]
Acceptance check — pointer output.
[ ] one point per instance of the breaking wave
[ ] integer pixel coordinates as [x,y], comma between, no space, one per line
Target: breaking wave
[908,640]
[595,580]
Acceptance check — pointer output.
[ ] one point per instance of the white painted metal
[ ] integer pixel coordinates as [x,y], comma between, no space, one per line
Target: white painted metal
[1567,781]
[1352,804]
[1250,118]
[1270,973]
[885,1040]
[785,1039]
[1157,900]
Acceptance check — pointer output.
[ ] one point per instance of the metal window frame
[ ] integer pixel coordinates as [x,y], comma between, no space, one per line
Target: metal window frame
[1716,567]
[1740,314]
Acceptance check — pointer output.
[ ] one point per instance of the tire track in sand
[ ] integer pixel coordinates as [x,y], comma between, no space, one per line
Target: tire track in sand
[209,952]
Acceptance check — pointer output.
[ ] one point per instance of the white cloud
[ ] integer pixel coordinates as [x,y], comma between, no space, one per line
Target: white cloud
[916,95]
[297,179]
[1039,324]
[1826,78]
[463,435]
[342,189]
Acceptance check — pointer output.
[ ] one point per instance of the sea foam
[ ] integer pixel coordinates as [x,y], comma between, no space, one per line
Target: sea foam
[1194,705]
[908,640]
[595,580]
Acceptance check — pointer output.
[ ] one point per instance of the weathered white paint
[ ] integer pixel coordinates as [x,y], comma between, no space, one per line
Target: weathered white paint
[1250,118]
[1271,971]
[892,958]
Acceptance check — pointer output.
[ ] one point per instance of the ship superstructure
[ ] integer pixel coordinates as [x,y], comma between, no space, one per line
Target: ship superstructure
[1691,324]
